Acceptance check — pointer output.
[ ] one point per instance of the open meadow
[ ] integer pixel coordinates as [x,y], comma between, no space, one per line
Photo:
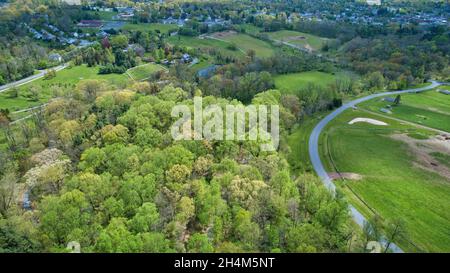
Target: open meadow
[145,71]
[308,41]
[295,81]
[68,77]
[205,44]
[245,43]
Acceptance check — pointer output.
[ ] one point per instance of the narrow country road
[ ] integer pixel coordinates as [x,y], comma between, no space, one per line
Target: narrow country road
[31,78]
[314,145]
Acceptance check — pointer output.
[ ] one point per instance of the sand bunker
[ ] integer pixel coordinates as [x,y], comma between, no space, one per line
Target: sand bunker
[368,120]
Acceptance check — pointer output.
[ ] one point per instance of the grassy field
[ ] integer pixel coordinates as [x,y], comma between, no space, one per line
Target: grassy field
[163,28]
[296,81]
[104,15]
[429,108]
[392,186]
[195,42]
[65,78]
[298,38]
[245,43]
[143,72]
[298,139]
[250,29]
[204,62]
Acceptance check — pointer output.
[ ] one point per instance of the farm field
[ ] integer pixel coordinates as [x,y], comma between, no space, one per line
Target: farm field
[429,108]
[64,78]
[245,43]
[163,28]
[305,40]
[396,178]
[143,72]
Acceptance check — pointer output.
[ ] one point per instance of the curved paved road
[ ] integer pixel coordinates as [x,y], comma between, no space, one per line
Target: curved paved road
[314,145]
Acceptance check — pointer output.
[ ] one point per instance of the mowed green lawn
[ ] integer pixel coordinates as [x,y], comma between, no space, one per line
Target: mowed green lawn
[429,108]
[392,185]
[163,28]
[299,38]
[195,42]
[68,77]
[245,43]
[145,71]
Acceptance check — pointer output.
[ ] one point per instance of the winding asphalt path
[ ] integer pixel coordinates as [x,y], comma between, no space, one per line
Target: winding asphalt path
[31,78]
[314,146]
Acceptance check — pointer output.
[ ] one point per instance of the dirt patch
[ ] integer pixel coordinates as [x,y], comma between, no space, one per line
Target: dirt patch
[348,176]
[223,34]
[368,120]
[296,38]
[423,148]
